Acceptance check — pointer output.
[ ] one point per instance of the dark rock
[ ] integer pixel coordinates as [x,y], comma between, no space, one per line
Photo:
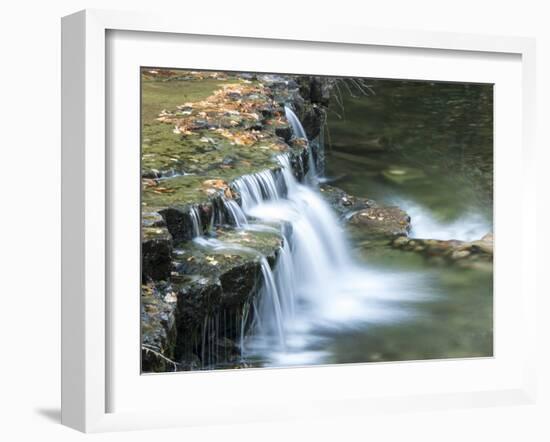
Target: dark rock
[285,132]
[312,118]
[228,160]
[316,89]
[179,222]
[239,283]
[156,253]
[151,174]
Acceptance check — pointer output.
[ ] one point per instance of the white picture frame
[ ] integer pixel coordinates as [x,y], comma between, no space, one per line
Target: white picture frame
[86,316]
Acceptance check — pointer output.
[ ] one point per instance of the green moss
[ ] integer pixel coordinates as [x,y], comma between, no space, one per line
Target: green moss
[236,145]
[193,260]
[157,95]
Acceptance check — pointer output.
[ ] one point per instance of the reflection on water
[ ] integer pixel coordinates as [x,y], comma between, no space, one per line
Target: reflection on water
[426,142]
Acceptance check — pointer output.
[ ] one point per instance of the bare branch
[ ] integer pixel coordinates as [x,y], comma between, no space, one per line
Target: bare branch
[149,349]
[345,81]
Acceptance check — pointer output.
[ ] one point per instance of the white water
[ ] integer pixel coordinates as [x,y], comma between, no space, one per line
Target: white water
[195,219]
[299,132]
[237,217]
[468,227]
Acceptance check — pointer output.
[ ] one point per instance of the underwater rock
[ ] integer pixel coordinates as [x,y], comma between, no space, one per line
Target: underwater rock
[402,175]
[382,221]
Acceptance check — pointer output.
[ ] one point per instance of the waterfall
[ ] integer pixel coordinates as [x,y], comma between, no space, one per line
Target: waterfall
[315,251]
[297,128]
[236,214]
[316,285]
[299,132]
[257,187]
[195,220]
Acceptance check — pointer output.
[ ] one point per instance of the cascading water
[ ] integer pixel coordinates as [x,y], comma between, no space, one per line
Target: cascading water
[236,215]
[195,219]
[316,284]
[299,132]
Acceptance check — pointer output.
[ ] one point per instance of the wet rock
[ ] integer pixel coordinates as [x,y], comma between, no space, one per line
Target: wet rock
[460,254]
[215,288]
[316,89]
[228,160]
[239,283]
[152,219]
[382,221]
[210,310]
[484,245]
[312,118]
[401,241]
[156,253]
[151,174]
[468,254]
[343,203]
[284,131]
[179,222]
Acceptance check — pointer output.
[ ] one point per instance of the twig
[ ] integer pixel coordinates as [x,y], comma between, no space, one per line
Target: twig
[328,135]
[345,81]
[160,355]
[358,86]
[339,99]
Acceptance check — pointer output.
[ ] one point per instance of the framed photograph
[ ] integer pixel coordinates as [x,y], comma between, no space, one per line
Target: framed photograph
[292,223]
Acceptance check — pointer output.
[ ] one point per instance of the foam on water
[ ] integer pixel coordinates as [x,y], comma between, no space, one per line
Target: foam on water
[424,224]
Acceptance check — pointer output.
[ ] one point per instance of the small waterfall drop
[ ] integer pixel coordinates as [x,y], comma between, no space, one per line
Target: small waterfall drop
[196,222]
[295,123]
[299,132]
[236,214]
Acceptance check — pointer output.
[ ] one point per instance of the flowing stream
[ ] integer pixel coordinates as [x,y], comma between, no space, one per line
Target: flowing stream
[325,303]
[317,286]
